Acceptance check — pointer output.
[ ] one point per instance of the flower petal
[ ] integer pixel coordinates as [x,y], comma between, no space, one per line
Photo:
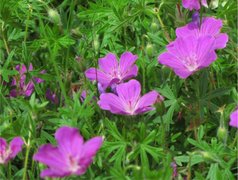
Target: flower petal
[146,101]
[109,63]
[191,4]
[52,157]
[221,41]
[53,173]
[3,145]
[15,146]
[129,92]
[95,74]
[90,149]
[127,59]
[210,26]
[111,102]
[205,51]
[69,140]
[234,119]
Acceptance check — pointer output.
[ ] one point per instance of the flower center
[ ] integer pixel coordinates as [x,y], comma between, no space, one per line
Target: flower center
[4,155]
[73,162]
[191,62]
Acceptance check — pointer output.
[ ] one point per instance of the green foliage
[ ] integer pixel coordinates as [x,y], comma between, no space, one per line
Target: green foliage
[51,34]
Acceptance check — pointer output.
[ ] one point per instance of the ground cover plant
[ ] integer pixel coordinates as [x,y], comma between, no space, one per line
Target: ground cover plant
[126,89]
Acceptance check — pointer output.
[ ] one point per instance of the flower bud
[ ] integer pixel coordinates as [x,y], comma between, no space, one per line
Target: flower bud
[149,49]
[154,27]
[222,134]
[207,155]
[54,16]
[159,104]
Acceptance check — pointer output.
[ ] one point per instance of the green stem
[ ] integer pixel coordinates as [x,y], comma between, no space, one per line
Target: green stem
[26,28]
[235,140]
[28,147]
[55,50]
[9,170]
[163,26]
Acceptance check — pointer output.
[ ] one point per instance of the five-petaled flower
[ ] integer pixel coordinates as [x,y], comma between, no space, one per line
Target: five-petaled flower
[187,55]
[10,151]
[234,119]
[128,100]
[71,157]
[113,72]
[20,86]
[209,27]
[194,4]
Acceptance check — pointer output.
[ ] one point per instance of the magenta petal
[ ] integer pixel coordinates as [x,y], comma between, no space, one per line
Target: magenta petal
[234,119]
[29,89]
[109,63]
[53,173]
[73,146]
[3,145]
[13,93]
[210,26]
[90,149]
[52,157]
[127,60]
[129,92]
[204,3]
[188,30]
[170,60]
[221,41]
[111,102]
[191,4]
[132,72]
[15,146]
[30,67]
[94,74]
[145,102]
[205,51]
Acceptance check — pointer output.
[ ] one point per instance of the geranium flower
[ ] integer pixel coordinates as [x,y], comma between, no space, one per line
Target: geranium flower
[209,27]
[187,55]
[111,71]
[10,151]
[19,84]
[71,157]
[128,100]
[234,119]
[51,96]
[193,4]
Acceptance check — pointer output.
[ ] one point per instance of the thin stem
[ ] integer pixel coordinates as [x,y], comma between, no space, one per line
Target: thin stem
[163,26]
[9,171]
[28,147]
[55,50]
[5,43]
[26,28]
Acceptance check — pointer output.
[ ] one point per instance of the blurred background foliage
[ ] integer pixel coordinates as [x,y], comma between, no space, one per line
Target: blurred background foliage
[65,37]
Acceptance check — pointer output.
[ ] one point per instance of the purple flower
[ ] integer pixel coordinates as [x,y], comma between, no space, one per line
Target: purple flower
[174,166]
[111,71]
[187,55]
[234,119]
[209,27]
[10,152]
[193,4]
[128,100]
[19,84]
[51,96]
[71,157]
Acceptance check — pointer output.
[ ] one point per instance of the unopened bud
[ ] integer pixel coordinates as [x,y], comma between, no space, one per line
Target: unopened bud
[149,49]
[222,134]
[154,27]
[54,16]
[159,104]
